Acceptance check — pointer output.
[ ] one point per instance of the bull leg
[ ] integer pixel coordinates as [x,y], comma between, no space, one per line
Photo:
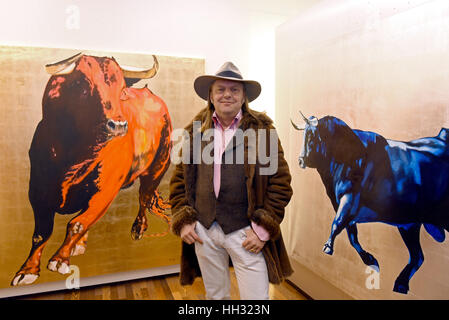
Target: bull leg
[44,221]
[341,221]
[77,229]
[80,246]
[410,235]
[366,257]
[149,197]
[146,194]
[140,225]
[154,203]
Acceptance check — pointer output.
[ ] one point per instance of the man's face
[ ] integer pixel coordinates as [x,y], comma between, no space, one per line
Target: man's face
[227,97]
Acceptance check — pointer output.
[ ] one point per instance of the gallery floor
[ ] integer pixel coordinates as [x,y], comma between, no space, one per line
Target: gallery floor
[159,288]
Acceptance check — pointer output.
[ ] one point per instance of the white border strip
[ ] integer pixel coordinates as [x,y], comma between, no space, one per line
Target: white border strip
[89,281]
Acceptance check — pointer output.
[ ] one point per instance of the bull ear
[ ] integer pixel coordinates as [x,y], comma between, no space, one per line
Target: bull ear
[130,81]
[313,121]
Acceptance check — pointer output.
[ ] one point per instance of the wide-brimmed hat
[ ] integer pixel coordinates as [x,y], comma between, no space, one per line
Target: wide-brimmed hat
[228,71]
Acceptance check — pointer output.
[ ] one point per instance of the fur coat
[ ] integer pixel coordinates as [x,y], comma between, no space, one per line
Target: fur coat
[267,197]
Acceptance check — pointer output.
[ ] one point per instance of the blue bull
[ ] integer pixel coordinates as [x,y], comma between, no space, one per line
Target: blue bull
[372,179]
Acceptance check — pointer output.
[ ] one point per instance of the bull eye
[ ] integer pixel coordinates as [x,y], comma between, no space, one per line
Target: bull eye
[74,84]
[80,87]
[111,125]
[84,91]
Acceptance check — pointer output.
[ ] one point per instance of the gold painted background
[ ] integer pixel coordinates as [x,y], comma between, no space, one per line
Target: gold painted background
[110,248]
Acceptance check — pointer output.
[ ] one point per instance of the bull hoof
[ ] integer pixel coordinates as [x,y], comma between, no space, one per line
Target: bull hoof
[23,279]
[327,249]
[400,288]
[136,235]
[137,231]
[59,266]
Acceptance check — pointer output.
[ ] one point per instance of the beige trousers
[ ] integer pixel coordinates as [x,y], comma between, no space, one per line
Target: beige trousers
[213,258]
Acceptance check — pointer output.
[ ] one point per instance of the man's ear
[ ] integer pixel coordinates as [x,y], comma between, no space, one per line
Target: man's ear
[210,95]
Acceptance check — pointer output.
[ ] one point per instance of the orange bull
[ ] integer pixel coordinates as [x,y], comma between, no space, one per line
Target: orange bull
[96,136]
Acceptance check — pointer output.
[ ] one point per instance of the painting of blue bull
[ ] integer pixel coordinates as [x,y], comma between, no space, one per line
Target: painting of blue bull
[372,179]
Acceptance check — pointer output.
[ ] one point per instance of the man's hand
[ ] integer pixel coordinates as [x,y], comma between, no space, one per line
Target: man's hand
[188,234]
[252,242]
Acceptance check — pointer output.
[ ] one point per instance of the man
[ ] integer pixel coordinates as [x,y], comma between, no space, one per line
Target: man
[223,209]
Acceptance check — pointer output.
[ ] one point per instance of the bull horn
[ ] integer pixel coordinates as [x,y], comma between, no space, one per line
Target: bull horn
[138,73]
[305,119]
[60,66]
[296,126]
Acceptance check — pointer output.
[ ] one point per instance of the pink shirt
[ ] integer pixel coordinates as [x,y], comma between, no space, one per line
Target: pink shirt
[222,136]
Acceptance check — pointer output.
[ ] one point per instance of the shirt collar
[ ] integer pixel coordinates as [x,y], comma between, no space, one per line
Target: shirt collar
[234,123]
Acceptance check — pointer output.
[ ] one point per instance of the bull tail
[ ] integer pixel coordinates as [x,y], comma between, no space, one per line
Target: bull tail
[436,232]
[158,207]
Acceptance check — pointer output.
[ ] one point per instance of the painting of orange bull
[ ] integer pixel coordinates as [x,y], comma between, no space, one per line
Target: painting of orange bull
[97,135]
